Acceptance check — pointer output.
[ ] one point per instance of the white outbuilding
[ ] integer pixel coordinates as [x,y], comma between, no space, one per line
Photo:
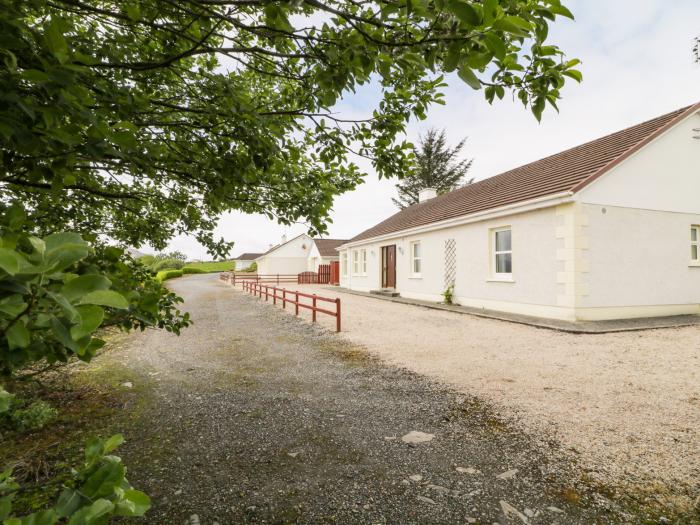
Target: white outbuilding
[299,254]
[606,230]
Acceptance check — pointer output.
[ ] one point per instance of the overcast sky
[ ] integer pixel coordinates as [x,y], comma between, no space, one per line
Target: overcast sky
[637,64]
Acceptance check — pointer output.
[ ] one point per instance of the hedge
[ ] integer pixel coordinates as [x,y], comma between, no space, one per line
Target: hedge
[190,269]
[164,275]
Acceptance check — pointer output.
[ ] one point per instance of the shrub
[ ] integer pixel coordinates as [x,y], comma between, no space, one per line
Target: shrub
[97,491]
[252,268]
[448,294]
[190,269]
[146,260]
[164,275]
[167,264]
[34,417]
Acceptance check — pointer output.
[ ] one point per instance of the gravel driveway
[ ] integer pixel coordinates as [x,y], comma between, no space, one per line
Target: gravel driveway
[255,416]
[626,404]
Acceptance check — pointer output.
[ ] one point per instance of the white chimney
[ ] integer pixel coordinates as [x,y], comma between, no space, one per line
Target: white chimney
[427,194]
[284,238]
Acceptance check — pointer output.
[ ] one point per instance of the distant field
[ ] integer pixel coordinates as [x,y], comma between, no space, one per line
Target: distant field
[218,266]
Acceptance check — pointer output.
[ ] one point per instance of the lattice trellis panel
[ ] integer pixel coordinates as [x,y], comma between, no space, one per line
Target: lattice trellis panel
[450,262]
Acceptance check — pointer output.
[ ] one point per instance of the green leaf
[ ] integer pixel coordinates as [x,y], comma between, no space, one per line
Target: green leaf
[135,503]
[496,45]
[451,60]
[63,256]
[5,505]
[83,285]
[11,261]
[68,309]
[466,12]
[559,9]
[94,514]
[44,517]
[573,73]
[68,502]
[18,335]
[63,334]
[514,25]
[108,298]
[38,245]
[91,317]
[16,216]
[55,240]
[5,400]
[466,74]
[105,479]
[55,41]
[112,443]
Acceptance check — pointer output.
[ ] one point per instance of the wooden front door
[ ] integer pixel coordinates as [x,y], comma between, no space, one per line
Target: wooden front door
[389,266]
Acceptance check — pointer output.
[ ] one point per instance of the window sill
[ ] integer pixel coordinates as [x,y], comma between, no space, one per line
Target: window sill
[694,264]
[500,280]
[417,276]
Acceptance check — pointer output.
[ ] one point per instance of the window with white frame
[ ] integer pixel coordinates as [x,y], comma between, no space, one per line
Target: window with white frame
[502,253]
[416,261]
[695,244]
[356,262]
[363,261]
[344,264]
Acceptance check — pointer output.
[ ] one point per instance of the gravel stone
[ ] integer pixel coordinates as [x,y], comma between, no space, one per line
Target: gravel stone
[247,384]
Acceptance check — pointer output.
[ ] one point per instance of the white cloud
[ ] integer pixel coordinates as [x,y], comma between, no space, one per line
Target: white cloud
[637,64]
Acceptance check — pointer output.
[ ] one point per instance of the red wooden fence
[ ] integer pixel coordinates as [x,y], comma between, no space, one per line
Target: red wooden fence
[307,278]
[274,293]
[275,278]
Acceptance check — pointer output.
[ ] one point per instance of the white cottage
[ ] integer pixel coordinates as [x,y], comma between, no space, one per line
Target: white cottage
[300,254]
[606,230]
[244,260]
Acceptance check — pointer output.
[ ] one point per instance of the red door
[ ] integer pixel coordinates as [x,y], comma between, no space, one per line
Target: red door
[335,273]
[389,266]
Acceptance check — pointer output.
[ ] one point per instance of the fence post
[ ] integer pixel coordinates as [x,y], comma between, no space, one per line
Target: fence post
[274,296]
[284,298]
[337,314]
[313,316]
[278,278]
[296,303]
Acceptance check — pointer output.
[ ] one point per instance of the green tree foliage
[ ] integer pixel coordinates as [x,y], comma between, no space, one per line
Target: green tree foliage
[170,255]
[142,119]
[56,291]
[436,166]
[97,492]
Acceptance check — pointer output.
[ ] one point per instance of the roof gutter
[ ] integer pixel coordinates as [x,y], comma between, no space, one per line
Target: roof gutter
[509,209]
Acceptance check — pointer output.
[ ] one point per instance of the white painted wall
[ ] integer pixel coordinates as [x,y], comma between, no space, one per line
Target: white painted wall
[290,258]
[619,248]
[639,263]
[638,218]
[242,265]
[533,290]
[664,175]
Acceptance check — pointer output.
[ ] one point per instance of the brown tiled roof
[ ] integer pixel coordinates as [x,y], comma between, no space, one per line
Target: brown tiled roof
[569,170]
[326,247]
[248,256]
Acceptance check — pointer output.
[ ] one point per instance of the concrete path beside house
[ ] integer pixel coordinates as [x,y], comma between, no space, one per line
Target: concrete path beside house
[253,416]
[626,405]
